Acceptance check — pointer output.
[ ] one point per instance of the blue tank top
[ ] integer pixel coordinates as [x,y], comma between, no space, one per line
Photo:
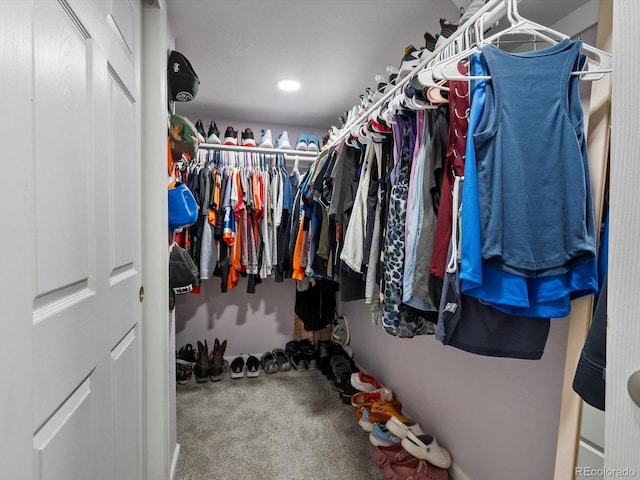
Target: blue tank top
[535,205]
[546,296]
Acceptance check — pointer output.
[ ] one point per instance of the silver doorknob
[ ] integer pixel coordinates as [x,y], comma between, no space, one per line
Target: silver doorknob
[633,387]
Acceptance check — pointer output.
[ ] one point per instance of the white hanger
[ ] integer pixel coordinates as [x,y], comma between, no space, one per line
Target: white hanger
[595,68]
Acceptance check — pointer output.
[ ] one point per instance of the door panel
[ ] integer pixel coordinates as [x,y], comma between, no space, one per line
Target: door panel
[67,435]
[87,394]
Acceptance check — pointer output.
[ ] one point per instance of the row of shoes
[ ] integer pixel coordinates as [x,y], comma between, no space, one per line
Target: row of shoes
[402,448]
[305,142]
[206,366]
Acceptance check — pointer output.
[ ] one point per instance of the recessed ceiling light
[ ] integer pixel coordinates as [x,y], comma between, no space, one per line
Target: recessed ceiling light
[288,85]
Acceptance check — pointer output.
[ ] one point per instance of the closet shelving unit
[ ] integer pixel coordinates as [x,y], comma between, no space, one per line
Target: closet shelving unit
[580,318]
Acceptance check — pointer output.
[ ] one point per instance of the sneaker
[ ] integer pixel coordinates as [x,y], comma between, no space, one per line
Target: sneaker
[247,138]
[447,28]
[202,365]
[364,398]
[282,359]
[230,136]
[364,422]
[365,382]
[282,141]
[430,41]
[381,412]
[237,367]
[266,141]
[380,436]
[186,359]
[301,142]
[216,361]
[200,129]
[253,367]
[409,61]
[313,145]
[213,135]
[340,330]
[309,353]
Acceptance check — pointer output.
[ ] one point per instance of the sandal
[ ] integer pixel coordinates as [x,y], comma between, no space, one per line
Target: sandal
[282,360]
[426,448]
[269,363]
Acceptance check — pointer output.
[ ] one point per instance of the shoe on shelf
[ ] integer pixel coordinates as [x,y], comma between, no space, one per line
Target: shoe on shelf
[216,362]
[202,365]
[312,143]
[230,136]
[301,142]
[248,139]
[213,134]
[186,359]
[282,141]
[340,330]
[365,382]
[200,129]
[391,454]
[238,367]
[430,41]
[426,448]
[402,429]
[380,436]
[265,140]
[447,28]
[409,61]
[269,363]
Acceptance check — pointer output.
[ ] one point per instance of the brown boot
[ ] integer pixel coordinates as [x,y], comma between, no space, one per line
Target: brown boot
[216,362]
[202,365]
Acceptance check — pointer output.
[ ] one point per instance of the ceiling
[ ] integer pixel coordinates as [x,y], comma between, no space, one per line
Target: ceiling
[241,48]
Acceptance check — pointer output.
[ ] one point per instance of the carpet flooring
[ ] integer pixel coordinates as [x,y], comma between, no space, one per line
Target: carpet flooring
[285,426]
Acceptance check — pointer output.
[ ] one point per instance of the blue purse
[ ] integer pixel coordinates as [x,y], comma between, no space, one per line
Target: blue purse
[183,209]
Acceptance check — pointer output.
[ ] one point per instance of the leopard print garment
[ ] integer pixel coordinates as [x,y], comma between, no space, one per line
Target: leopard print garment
[397,319]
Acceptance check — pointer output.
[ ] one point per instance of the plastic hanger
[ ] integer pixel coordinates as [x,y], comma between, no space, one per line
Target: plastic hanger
[595,68]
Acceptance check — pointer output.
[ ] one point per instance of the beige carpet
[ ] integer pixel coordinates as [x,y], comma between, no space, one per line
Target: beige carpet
[285,426]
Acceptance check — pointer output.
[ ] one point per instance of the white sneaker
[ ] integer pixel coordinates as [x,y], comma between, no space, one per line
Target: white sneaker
[282,141]
[266,140]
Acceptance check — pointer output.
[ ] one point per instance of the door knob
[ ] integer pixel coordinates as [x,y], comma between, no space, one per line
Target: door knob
[633,387]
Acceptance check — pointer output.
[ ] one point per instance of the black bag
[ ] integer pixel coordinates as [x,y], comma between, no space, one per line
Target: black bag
[182,78]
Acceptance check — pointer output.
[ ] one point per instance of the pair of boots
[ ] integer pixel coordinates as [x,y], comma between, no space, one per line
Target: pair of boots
[210,366]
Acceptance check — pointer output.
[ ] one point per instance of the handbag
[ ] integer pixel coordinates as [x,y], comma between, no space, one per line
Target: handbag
[183,208]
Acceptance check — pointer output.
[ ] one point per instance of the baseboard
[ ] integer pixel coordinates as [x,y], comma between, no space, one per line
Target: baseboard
[174,462]
[456,473]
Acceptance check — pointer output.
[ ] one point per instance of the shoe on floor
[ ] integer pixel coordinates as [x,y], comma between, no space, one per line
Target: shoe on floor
[380,436]
[426,448]
[186,359]
[216,362]
[365,382]
[238,367]
[282,359]
[393,453]
[253,366]
[269,363]
[364,422]
[402,429]
[413,468]
[362,398]
[202,366]
[309,353]
[381,412]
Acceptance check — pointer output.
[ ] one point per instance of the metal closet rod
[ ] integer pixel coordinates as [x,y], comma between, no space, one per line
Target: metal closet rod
[497,8]
[272,151]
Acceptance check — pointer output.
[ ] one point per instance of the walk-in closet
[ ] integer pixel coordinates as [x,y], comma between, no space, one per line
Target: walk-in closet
[303,239]
[368,248]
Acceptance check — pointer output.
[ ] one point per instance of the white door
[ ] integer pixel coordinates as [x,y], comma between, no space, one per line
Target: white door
[622,418]
[71,403]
